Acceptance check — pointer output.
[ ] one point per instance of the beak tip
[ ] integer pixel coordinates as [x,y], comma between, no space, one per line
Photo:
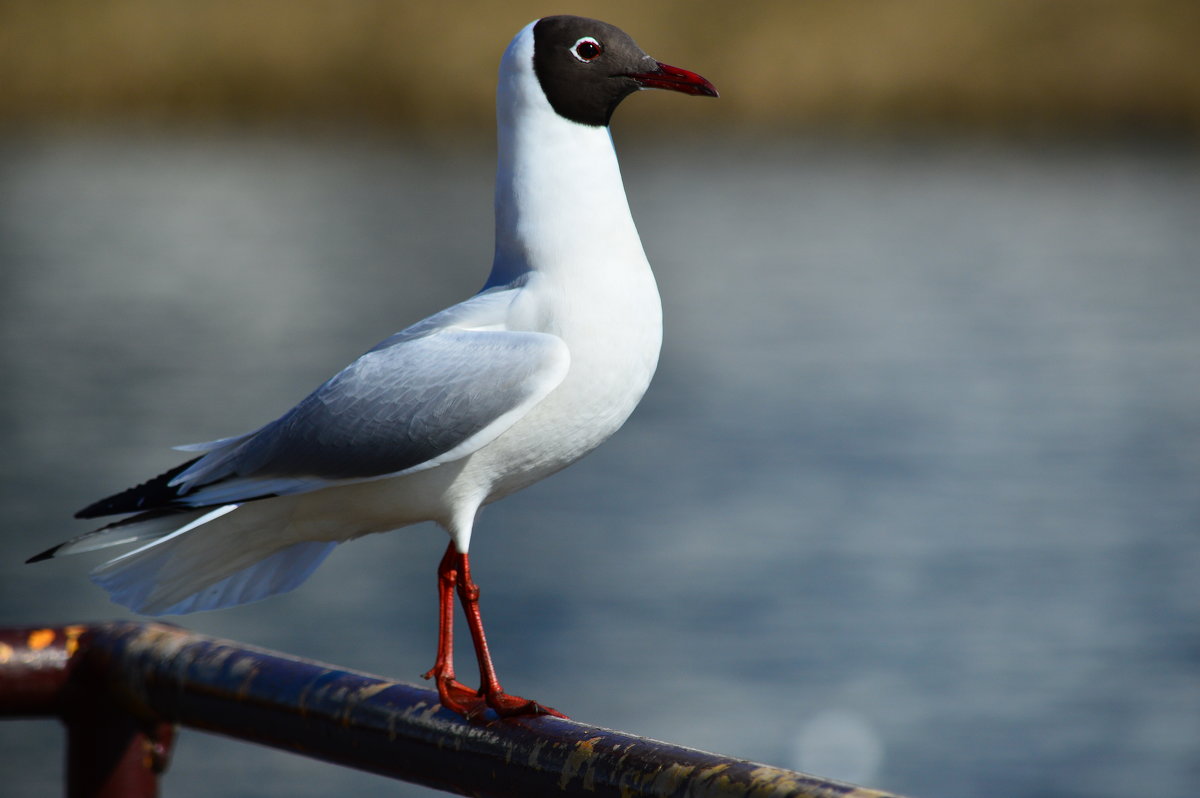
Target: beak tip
[673,78]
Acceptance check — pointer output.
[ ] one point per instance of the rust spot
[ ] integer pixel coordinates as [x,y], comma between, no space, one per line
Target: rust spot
[589,775]
[73,634]
[671,778]
[156,753]
[716,772]
[373,690]
[534,752]
[40,638]
[581,755]
[247,682]
[768,778]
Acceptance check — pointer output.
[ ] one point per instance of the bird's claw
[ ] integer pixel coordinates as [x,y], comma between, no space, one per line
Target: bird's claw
[511,706]
[472,704]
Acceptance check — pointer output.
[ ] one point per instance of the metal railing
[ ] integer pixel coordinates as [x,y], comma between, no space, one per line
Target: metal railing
[121,688]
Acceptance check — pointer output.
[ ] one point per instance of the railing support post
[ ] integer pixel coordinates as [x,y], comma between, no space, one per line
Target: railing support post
[111,753]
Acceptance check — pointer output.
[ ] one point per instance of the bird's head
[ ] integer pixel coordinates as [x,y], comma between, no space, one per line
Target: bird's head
[584,67]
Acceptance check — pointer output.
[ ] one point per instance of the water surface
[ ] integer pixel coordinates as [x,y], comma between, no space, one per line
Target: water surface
[913,501]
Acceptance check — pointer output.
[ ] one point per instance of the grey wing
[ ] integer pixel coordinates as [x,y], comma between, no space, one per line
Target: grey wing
[410,403]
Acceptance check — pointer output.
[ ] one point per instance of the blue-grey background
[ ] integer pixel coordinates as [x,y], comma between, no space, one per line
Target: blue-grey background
[914,500]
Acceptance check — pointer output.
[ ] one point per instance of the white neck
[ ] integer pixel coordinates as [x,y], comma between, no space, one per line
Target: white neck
[560,201]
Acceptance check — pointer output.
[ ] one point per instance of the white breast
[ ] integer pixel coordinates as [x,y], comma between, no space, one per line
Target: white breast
[563,221]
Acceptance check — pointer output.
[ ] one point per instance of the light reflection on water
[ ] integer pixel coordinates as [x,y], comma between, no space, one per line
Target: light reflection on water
[914,498]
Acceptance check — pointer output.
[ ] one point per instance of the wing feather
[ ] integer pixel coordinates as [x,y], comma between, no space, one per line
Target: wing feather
[432,393]
[393,410]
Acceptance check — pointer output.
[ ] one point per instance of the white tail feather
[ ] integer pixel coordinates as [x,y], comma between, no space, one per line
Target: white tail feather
[180,529]
[122,533]
[217,560]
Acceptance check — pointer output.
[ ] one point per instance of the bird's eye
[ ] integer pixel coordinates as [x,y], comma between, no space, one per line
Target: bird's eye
[587,49]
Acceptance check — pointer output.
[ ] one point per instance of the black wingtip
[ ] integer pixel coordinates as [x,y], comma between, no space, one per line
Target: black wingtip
[152,494]
[45,555]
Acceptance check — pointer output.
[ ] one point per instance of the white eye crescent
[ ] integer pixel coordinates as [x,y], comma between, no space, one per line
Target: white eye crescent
[587,49]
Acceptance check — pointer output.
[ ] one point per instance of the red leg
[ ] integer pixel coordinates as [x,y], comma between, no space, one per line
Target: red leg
[505,705]
[454,573]
[454,695]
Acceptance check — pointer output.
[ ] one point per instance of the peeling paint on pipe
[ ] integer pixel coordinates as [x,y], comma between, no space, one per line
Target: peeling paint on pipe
[167,674]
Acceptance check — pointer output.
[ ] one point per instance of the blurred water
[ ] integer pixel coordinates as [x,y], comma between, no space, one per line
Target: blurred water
[914,500]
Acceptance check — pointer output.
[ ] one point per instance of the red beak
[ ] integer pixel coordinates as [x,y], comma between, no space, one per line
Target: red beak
[674,79]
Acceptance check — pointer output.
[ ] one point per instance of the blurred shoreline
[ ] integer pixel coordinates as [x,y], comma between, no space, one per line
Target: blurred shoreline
[1015,68]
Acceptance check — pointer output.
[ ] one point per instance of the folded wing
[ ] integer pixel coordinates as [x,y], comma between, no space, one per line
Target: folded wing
[408,404]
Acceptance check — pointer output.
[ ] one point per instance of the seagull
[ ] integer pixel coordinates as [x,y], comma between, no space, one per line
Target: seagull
[457,411]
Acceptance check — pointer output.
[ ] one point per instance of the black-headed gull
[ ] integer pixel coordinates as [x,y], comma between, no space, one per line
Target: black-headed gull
[454,412]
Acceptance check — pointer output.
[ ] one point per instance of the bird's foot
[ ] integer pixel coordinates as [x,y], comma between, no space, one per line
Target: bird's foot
[511,706]
[457,697]
[472,705]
